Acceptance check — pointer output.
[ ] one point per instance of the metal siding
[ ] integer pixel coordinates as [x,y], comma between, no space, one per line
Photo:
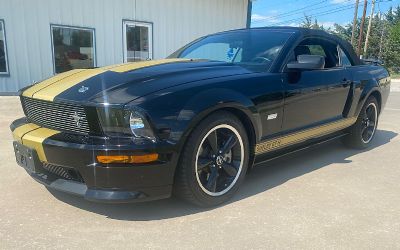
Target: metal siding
[175,23]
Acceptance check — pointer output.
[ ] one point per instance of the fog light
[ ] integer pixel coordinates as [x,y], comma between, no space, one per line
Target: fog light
[127,158]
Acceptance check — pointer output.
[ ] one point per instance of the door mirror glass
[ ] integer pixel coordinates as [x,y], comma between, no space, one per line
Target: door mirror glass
[307,62]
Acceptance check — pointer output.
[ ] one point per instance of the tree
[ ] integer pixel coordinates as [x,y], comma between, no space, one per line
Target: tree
[390,16]
[384,40]
[342,32]
[307,22]
[392,54]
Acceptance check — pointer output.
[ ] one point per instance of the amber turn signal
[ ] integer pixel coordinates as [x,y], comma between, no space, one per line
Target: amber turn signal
[127,158]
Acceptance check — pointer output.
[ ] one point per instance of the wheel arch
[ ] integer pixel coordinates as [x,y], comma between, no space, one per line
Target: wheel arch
[370,89]
[378,97]
[237,105]
[364,97]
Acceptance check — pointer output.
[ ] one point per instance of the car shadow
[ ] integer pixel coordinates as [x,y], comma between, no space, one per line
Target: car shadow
[262,178]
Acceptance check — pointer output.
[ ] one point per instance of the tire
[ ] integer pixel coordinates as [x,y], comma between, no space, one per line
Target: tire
[210,171]
[359,137]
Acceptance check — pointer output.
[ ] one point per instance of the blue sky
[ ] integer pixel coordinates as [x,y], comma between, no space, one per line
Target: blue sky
[327,12]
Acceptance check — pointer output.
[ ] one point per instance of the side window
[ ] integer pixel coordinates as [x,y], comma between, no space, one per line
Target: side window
[317,50]
[319,47]
[344,60]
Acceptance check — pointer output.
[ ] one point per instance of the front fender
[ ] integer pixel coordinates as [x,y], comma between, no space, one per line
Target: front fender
[175,112]
[210,100]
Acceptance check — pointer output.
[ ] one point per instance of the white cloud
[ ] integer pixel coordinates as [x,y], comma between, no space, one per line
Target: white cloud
[257,17]
[341,1]
[264,18]
[327,24]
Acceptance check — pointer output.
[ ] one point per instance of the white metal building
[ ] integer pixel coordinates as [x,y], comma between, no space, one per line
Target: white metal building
[39,38]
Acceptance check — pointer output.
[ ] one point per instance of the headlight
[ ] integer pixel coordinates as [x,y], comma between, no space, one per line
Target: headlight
[117,122]
[139,126]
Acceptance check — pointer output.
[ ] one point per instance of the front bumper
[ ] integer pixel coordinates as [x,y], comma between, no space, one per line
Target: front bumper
[115,183]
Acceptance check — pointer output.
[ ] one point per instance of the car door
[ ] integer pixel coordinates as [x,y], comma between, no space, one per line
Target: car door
[314,97]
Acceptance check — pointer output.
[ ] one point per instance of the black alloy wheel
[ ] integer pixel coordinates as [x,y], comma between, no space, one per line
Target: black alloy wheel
[214,160]
[219,160]
[369,121]
[363,131]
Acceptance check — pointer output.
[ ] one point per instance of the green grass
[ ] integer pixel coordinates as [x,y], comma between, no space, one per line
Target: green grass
[395,76]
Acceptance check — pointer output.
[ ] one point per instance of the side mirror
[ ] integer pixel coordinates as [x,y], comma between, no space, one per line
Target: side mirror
[307,62]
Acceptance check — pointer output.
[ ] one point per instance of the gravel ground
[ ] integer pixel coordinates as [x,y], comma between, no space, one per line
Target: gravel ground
[325,197]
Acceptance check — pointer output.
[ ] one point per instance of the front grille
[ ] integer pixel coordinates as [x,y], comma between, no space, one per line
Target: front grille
[65,173]
[59,116]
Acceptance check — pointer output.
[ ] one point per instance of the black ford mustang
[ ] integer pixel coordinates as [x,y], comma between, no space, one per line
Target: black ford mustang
[194,123]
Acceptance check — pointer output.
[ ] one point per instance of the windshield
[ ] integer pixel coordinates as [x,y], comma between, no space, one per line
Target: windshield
[252,47]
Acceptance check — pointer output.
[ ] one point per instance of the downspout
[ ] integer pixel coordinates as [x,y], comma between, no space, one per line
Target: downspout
[249,10]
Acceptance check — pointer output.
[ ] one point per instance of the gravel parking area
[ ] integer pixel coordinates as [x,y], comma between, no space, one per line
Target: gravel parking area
[326,197]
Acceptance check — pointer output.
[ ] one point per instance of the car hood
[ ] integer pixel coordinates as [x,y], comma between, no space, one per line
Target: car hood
[120,84]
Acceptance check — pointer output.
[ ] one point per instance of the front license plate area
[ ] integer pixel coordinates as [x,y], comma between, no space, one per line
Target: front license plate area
[25,157]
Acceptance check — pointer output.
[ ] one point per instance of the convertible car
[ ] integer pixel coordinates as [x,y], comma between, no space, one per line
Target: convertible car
[194,123]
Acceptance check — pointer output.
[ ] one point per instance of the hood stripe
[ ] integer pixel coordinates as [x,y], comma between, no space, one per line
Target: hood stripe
[54,86]
[50,92]
[52,80]
[144,64]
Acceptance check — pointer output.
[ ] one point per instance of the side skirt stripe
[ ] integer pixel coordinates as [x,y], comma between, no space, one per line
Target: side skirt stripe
[291,139]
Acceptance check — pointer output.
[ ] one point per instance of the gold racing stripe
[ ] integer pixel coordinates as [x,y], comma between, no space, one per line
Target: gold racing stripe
[20,131]
[291,139]
[33,136]
[50,92]
[52,80]
[52,87]
[143,64]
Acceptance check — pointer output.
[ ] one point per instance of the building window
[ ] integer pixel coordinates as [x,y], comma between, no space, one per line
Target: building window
[73,48]
[3,50]
[138,41]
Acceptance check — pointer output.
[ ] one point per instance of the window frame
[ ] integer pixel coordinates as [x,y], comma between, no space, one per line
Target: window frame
[93,30]
[150,25]
[340,51]
[300,41]
[7,72]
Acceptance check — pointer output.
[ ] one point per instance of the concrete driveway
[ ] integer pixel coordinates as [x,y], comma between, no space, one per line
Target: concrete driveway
[325,197]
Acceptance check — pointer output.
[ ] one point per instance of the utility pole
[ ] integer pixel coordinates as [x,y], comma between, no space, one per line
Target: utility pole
[369,27]
[360,37]
[382,34]
[353,31]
